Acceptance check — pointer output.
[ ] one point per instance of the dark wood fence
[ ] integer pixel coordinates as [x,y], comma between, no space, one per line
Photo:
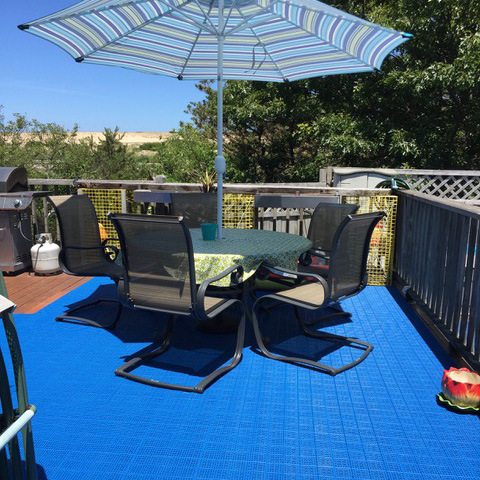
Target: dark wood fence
[437,257]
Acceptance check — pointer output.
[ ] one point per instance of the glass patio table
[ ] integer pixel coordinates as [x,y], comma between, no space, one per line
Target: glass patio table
[245,247]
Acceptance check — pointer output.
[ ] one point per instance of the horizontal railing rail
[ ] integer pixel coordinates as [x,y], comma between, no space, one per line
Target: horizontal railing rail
[288,219]
[247,188]
[437,258]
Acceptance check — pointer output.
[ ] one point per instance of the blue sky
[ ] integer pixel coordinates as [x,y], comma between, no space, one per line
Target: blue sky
[40,80]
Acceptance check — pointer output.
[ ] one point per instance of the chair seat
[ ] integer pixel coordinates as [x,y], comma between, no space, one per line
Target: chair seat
[310,293]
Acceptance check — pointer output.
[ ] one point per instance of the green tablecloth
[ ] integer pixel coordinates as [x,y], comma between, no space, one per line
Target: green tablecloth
[245,247]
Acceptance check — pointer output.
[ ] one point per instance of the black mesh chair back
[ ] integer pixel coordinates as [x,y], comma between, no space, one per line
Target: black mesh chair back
[158,260]
[195,208]
[326,218]
[348,263]
[159,275]
[82,252]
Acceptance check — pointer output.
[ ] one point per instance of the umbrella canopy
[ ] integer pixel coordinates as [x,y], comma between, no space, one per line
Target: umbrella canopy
[268,40]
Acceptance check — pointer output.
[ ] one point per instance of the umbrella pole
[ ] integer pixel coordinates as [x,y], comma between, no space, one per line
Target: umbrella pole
[220,164]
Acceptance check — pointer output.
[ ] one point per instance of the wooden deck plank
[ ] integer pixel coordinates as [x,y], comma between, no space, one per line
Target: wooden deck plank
[33,292]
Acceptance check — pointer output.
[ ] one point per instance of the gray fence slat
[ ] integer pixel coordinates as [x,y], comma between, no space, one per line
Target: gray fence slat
[440,272]
[473,334]
[454,270]
[467,290]
[460,277]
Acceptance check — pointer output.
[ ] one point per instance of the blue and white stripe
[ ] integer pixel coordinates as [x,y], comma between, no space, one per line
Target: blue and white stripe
[279,39]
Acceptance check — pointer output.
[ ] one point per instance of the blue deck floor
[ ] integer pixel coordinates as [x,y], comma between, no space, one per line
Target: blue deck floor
[264,420]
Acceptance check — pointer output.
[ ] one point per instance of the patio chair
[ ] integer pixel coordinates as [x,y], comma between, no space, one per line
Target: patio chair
[195,208]
[159,275]
[326,219]
[83,253]
[347,277]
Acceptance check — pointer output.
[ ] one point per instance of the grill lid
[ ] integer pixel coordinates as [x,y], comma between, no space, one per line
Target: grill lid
[13,179]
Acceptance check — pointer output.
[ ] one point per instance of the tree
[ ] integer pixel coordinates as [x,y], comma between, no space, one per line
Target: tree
[421,110]
[184,156]
[47,145]
[11,143]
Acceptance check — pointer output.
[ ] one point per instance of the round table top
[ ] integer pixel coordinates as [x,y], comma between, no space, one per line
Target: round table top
[246,247]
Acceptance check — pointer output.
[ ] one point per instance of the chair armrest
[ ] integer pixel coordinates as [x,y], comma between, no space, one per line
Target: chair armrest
[114,249]
[319,253]
[202,290]
[295,274]
[305,259]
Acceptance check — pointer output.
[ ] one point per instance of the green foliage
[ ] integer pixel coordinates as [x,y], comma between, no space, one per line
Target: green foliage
[112,159]
[48,150]
[184,156]
[422,109]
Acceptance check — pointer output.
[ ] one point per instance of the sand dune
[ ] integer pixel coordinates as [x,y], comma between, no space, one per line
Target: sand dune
[129,138]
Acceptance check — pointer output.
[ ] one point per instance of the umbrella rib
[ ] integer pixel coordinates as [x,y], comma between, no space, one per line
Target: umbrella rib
[244,24]
[206,16]
[180,76]
[192,21]
[228,17]
[116,39]
[264,48]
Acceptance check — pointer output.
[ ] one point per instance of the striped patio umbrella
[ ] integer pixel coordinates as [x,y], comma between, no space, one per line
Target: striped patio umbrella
[268,40]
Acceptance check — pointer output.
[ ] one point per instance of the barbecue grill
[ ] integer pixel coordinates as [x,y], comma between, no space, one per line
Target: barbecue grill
[15,219]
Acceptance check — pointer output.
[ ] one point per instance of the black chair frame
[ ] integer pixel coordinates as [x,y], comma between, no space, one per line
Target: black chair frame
[299,277]
[108,251]
[197,311]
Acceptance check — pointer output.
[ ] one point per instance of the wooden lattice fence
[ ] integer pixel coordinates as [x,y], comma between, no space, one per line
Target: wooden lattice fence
[456,185]
[462,185]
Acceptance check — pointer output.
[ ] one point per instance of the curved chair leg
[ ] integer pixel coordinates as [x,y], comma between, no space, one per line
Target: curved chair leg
[69,318]
[124,370]
[348,341]
[305,361]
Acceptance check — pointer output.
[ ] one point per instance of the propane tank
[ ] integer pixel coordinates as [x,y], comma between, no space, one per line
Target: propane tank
[45,254]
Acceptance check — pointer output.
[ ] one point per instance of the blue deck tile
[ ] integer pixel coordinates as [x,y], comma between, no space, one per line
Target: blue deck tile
[264,420]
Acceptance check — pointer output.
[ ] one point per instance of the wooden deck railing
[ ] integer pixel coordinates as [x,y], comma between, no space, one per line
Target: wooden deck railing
[437,257]
[292,220]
